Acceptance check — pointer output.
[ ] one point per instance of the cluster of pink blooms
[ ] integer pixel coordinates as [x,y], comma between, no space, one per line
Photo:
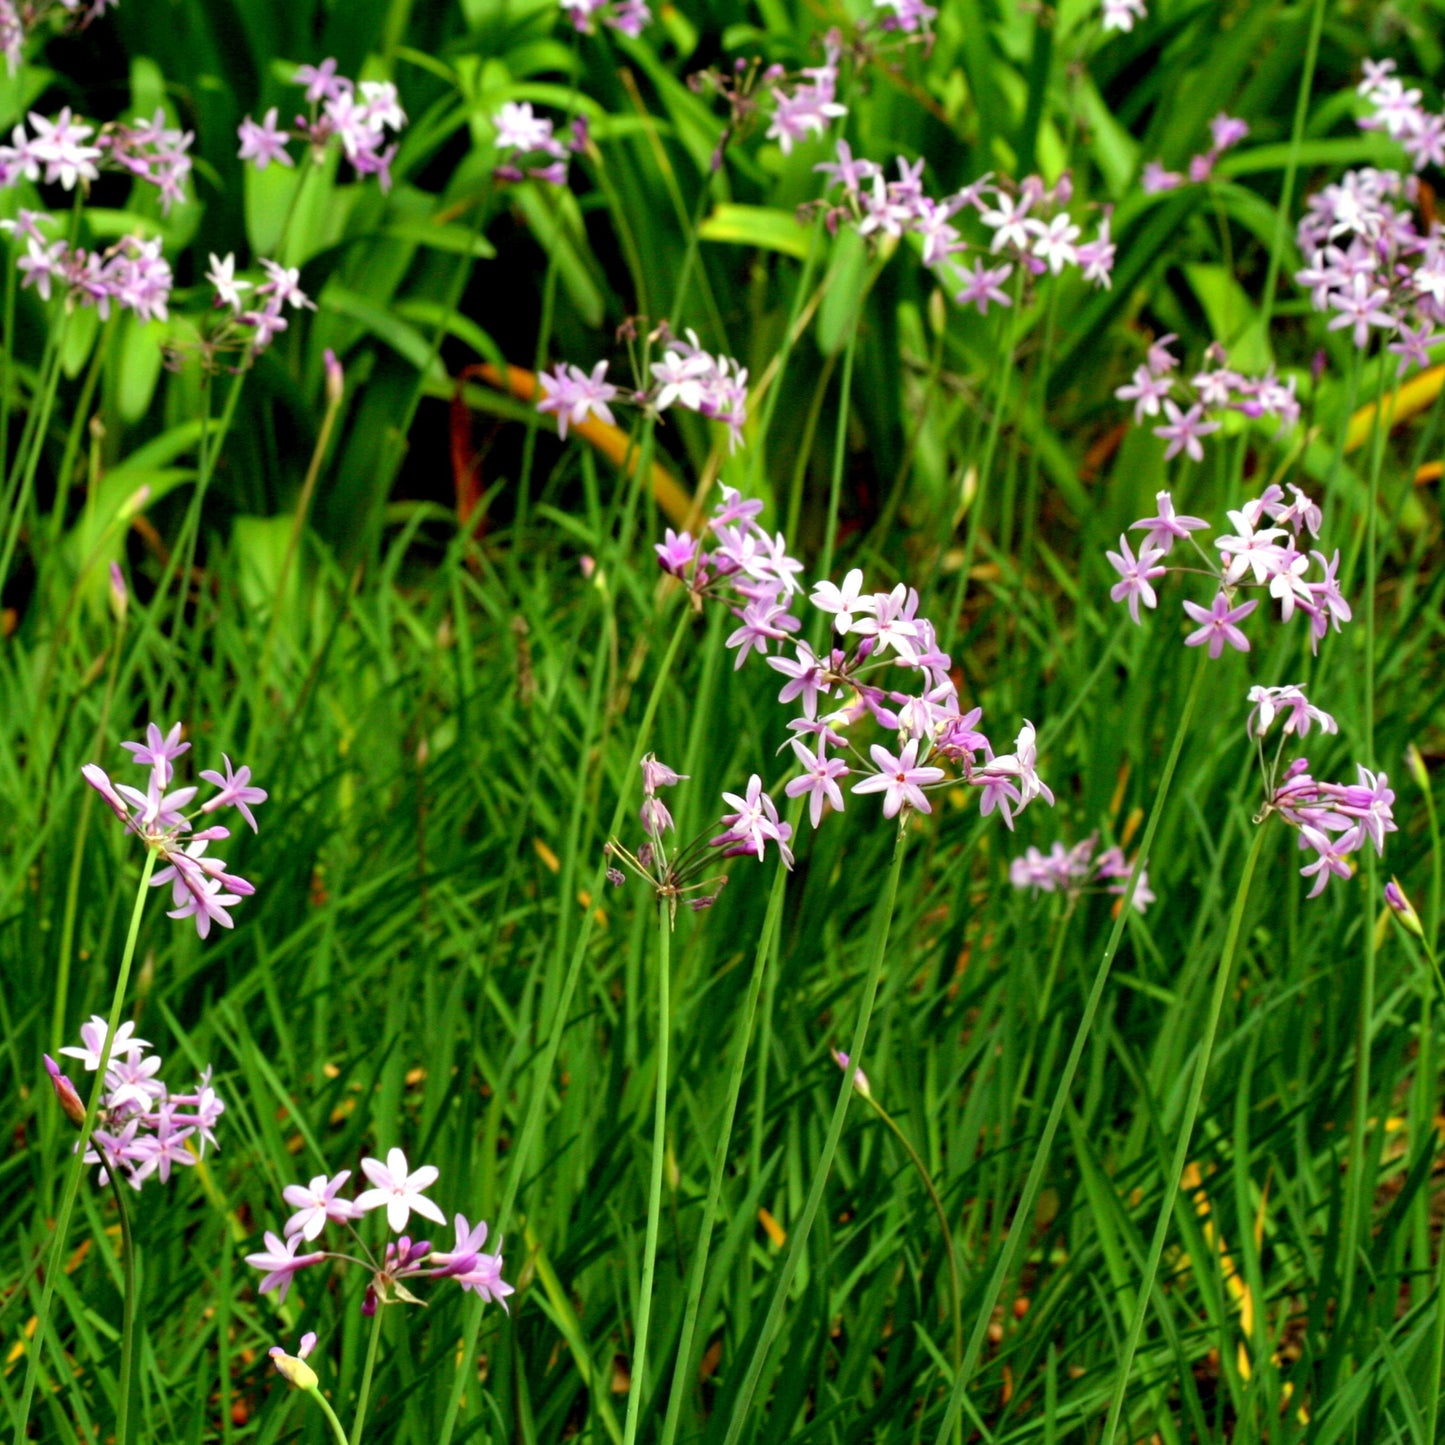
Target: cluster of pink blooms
[67,150]
[811,105]
[1029,225]
[252,322]
[1333,819]
[1398,113]
[1253,555]
[19,21]
[715,387]
[1078,870]
[201,888]
[399,1190]
[1191,408]
[358,117]
[141,1127]
[529,148]
[132,274]
[629,16]
[1226,132]
[876,636]
[1370,264]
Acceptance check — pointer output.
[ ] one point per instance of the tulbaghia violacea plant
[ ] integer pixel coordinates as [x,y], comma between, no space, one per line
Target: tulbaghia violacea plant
[142,1129]
[1193,409]
[715,387]
[1079,870]
[683,875]
[1019,227]
[356,117]
[399,1263]
[885,665]
[527,147]
[1254,555]
[1225,131]
[1334,820]
[1370,262]
[201,888]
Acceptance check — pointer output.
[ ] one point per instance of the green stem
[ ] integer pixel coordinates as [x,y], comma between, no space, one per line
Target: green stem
[367,1371]
[798,1241]
[1023,1214]
[682,1366]
[1432,1394]
[32,444]
[637,1386]
[955,1288]
[840,449]
[527,1138]
[1185,1138]
[76,1166]
[77,859]
[128,1315]
[1284,215]
[337,1428]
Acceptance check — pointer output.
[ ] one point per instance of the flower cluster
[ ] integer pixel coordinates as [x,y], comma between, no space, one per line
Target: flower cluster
[528,147]
[1192,409]
[1398,113]
[358,117]
[1226,132]
[62,152]
[715,387]
[631,17]
[1028,224]
[200,886]
[1078,870]
[745,566]
[251,328]
[1370,264]
[141,1127]
[1253,555]
[20,18]
[811,105]
[875,634]
[1333,819]
[675,878]
[399,1190]
[132,274]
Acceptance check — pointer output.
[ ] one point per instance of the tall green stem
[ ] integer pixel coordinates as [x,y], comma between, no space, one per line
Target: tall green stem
[682,1367]
[128,1315]
[526,1140]
[76,1166]
[638,1385]
[955,1287]
[798,1241]
[367,1371]
[1185,1139]
[1023,1214]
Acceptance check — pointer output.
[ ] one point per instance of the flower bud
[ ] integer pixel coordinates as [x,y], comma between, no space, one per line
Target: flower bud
[69,1100]
[1415,762]
[860,1079]
[335,379]
[119,597]
[1404,910]
[293,1370]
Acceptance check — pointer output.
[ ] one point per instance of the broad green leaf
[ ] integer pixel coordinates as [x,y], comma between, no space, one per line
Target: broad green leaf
[766,227]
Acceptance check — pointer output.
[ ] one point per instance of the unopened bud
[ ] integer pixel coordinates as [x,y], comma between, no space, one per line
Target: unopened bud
[69,1100]
[119,597]
[1404,910]
[335,379]
[860,1079]
[293,1370]
[136,501]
